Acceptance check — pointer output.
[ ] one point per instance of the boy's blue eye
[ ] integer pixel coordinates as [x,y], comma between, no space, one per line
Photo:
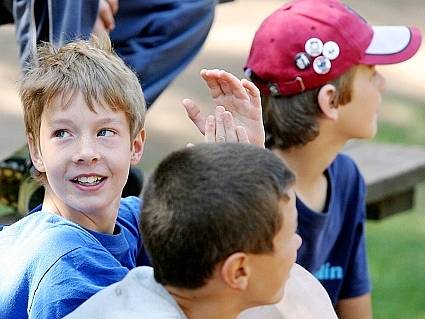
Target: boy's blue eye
[61,134]
[105,132]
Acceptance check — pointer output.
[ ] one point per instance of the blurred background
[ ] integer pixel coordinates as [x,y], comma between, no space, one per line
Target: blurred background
[396,246]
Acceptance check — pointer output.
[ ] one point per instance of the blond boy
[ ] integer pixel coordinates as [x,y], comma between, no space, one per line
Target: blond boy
[84,115]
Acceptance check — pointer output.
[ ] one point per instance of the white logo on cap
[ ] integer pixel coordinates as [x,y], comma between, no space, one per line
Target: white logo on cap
[313,47]
[331,50]
[322,65]
[302,61]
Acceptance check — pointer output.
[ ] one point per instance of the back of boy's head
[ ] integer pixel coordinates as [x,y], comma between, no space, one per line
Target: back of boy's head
[306,44]
[87,66]
[206,202]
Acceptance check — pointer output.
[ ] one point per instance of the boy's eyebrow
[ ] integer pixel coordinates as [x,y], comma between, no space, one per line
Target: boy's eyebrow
[109,120]
[60,121]
[102,121]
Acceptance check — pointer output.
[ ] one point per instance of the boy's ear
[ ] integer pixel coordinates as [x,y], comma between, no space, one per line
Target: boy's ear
[137,147]
[235,271]
[36,158]
[328,101]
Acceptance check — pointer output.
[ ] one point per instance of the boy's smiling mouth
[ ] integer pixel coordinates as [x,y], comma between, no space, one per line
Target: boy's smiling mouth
[88,180]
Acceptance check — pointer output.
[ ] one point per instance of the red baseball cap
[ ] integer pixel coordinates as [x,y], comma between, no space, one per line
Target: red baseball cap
[307,43]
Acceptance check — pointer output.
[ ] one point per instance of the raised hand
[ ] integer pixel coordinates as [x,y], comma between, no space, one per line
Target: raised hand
[221,128]
[239,97]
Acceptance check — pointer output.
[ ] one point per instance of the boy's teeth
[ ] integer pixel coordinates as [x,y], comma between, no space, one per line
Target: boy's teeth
[89,179]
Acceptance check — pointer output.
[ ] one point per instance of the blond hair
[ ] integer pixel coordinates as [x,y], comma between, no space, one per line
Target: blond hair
[87,66]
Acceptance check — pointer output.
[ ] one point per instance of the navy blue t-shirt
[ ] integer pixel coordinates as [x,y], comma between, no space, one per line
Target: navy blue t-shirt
[333,247]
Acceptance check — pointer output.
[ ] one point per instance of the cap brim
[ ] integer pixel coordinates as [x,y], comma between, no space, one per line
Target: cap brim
[392,44]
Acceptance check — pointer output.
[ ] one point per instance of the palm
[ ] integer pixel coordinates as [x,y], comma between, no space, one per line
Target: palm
[241,98]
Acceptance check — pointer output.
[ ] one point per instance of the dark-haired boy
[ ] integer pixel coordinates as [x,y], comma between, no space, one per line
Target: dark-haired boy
[220,240]
[314,63]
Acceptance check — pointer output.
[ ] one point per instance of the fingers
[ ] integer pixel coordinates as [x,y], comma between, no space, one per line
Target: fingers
[99,27]
[217,128]
[229,127]
[220,131]
[114,6]
[221,128]
[230,84]
[210,129]
[253,92]
[194,113]
[211,79]
[221,83]
[106,15]
[242,135]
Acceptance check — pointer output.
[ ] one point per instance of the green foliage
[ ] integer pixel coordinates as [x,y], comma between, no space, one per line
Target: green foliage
[402,122]
[396,249]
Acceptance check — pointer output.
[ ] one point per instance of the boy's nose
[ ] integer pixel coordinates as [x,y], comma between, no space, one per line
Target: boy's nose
[86,151]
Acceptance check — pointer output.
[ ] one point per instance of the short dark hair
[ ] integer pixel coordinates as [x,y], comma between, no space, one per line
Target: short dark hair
[206,202]
[292,121]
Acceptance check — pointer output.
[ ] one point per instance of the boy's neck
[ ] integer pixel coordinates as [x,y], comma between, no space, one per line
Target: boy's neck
[205,304]
[309,162]
[95,221]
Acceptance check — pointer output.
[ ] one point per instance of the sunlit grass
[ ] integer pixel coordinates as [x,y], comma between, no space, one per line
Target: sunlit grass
[396,249]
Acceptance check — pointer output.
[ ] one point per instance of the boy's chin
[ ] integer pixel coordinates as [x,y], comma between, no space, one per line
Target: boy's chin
[372,133]
[369,134]
[277,298]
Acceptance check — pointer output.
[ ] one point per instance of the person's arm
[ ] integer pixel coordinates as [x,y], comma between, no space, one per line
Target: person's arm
[355,308]
[239,97]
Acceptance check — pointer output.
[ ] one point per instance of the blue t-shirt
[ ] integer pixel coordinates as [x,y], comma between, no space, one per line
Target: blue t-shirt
[50,265]
[333,247]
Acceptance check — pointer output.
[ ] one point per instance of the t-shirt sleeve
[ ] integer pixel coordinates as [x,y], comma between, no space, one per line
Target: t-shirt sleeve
[71,280]
[357,280]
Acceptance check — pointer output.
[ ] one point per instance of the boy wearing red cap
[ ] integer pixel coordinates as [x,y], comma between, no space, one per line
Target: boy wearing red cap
[314,63]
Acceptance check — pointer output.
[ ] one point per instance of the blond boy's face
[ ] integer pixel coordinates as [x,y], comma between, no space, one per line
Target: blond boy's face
[271,271]
[359,118]
[86,158]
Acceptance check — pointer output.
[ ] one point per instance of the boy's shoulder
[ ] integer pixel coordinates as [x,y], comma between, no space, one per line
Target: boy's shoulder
[130,207]
[343,166]
[49,236]
[137,295]
[129,215]
[41,239]
[40,226]
[344,160]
